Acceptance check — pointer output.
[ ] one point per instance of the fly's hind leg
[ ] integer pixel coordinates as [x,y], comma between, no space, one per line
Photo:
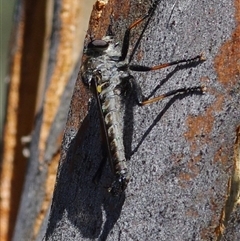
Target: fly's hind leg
[197,89]
[142,100]
[140,68]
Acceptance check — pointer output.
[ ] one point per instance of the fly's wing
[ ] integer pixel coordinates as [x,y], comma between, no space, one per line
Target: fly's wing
[106,144]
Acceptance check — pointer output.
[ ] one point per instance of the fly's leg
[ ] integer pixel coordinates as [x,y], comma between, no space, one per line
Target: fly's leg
[141,68]
[125,45]
[141,100]
[199,89]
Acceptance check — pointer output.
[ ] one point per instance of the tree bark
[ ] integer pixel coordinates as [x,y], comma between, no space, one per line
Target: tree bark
[183,152]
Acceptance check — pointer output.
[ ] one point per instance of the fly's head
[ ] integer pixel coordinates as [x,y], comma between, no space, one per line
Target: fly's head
[96,48]
[104,46]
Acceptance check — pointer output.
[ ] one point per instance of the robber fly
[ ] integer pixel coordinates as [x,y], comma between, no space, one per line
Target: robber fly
[106,70]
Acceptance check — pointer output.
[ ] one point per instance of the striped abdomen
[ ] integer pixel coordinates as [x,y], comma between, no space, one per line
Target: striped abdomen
[110,97]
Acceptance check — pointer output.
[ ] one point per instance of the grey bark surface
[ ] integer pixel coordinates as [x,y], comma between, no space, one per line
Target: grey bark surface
[180,149]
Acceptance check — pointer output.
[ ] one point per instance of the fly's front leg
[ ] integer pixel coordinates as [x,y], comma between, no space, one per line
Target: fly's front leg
[125,45]
[141,99]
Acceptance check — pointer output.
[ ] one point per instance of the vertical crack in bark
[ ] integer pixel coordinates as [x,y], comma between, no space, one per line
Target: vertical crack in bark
[233,197]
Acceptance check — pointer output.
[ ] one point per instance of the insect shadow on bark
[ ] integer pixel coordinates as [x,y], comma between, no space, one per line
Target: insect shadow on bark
[75,194]
[177,97]
[131,101]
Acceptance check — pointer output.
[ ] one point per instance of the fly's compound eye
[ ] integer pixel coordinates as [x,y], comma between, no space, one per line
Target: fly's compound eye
[98,45]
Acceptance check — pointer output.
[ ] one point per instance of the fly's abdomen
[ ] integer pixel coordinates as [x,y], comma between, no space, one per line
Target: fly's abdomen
[111,107]
[113,121]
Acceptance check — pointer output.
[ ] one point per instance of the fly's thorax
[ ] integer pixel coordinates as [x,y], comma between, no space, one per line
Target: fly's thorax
[96,61]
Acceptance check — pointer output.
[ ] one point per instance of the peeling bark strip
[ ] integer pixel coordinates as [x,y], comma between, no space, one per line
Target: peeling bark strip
[181,149]
[227,65]
[45,58]
[230,213]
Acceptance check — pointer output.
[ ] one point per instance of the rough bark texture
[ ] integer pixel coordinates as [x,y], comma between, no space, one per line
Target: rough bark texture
[183,151]
[184,157]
